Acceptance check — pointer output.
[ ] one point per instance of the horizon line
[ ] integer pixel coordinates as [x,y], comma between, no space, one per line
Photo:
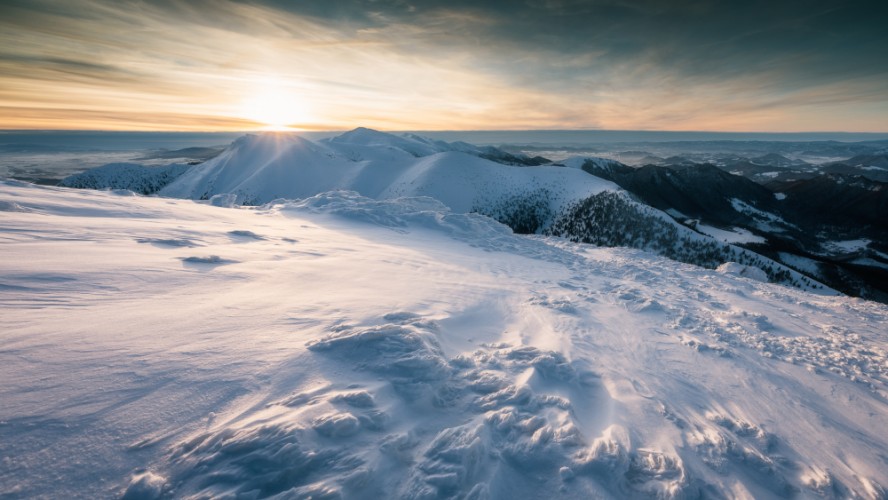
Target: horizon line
[314,131]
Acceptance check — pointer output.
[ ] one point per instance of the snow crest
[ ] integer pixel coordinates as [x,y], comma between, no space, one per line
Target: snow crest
[398,214]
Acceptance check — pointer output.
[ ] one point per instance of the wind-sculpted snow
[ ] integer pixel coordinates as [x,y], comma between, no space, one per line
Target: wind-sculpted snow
[396,214]
[404,215]
[495,414]
[833,348]
[347,347]
[11,206]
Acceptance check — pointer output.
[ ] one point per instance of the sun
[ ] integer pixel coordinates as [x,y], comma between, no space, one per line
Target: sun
[277,107]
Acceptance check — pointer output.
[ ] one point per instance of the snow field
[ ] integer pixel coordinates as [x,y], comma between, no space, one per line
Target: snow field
[340,346]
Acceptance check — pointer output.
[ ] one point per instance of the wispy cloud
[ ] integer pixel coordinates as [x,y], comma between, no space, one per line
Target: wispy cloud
[425,64]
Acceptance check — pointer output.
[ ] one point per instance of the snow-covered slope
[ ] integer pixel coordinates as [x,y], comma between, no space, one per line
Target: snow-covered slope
[555,200]
[341,346]
[131,176]
[261,168]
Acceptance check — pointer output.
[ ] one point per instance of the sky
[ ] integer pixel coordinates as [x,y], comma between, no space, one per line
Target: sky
[208,65]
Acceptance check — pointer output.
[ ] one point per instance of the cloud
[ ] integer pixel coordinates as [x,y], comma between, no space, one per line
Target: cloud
[453,64]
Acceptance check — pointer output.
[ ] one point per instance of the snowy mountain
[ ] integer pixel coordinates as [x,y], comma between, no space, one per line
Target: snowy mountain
[356,142]
[551,200]
[347,347]
[776,160]
[697,191]
[261,168]
[841,201]
[873,167]
[794,222]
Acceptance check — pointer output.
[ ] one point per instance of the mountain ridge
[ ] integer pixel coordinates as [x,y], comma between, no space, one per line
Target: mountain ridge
[258,169]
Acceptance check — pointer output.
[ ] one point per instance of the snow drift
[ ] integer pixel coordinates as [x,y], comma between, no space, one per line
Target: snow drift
[347,347]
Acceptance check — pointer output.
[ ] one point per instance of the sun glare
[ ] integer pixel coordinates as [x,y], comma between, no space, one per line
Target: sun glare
[277,107]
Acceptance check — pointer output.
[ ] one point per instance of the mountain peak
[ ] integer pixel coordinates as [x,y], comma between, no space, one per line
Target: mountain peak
[362,135]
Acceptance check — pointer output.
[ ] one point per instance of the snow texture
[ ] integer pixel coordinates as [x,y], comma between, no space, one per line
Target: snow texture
[750,272]
[395,348]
